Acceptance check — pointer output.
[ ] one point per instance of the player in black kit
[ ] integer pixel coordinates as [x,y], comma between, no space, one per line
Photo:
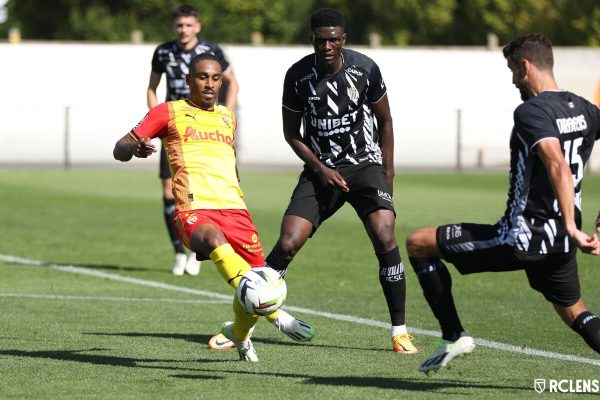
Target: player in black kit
[172,59]
[552,139]
[339,97]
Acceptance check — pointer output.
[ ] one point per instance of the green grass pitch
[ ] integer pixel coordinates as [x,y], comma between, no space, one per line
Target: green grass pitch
[118,325]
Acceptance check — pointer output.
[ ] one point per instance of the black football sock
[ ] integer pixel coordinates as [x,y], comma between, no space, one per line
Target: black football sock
[587,325]
[436,283]
[277,261]
[391,278]
[169,211]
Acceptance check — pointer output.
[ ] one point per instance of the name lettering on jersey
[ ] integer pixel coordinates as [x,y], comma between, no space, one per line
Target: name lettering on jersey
[333,126]
[355,72]
[192,135]
[569,125]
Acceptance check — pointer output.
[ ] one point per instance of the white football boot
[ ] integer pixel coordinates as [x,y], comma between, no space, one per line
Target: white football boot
[179,264]
[296,329]
[245,348]
[192,265]
[448,351]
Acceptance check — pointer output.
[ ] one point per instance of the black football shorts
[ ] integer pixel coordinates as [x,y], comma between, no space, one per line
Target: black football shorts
[474,248]
[368,192]
[164,171]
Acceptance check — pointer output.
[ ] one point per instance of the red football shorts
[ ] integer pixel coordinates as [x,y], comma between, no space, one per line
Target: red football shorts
[236,225]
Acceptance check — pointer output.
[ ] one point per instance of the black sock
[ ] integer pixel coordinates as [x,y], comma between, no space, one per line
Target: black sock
[169,211]
[391,278]
[436,283]
[587,325]
[278,262]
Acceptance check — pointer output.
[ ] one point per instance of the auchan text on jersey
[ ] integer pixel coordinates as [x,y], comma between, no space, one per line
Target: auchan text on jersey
[192,134]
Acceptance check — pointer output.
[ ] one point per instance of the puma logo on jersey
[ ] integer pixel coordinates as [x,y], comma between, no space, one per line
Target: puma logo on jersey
[191,116]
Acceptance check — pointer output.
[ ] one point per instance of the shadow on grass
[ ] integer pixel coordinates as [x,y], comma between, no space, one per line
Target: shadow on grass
[416,385]
[88,266]
[108,267]
[112,267]
[408,384]
[203,339]
[83,356]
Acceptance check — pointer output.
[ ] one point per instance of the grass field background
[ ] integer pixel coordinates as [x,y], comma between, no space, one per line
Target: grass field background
[70,334]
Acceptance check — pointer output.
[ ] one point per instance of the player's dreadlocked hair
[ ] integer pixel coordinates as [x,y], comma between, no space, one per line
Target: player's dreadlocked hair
[326,17]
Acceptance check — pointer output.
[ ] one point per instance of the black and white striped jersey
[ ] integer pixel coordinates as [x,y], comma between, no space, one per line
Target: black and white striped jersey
[532,222]
[337,112]
[174,62]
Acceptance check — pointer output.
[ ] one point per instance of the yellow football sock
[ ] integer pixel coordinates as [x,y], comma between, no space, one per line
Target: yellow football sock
[229,264]
[271,317]
[244,322]
[232,267]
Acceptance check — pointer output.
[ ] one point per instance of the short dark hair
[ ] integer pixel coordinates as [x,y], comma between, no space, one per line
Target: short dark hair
[326,17]
[534,47]
[203,57]
[185,10]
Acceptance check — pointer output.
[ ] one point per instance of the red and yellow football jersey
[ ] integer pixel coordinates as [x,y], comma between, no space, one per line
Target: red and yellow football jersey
[199,146]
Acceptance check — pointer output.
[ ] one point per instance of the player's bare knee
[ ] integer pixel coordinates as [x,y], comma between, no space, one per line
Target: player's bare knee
[411,245]
[387,241]
[289,244]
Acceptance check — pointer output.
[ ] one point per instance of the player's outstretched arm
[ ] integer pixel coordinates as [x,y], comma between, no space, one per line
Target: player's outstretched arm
[232,89]
[561,179]
[381,109]
[151,97]
[130,145]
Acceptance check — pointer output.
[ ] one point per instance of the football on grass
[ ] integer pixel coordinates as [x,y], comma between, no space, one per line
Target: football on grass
[261,291]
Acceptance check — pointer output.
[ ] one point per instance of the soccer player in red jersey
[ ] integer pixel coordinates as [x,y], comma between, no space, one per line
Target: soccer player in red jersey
[211,217]
[172,59]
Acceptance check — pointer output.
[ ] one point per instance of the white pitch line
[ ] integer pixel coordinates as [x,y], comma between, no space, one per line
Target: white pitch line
[338,317]
[108,298]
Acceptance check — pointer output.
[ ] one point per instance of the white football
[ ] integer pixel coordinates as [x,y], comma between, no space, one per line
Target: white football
[261,291]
